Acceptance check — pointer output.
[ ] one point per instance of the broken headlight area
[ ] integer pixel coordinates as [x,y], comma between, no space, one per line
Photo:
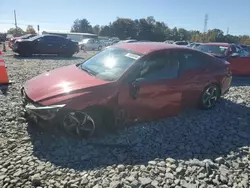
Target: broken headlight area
[43,112]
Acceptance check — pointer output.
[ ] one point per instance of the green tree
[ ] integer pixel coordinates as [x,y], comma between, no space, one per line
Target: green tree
[215,35]
[105,31]
[16,32]
[144,30]
[183,34]
[244,39]
[159,31]
[96,29]
[81,26]
[124,28]
[150,29]
[151,20]
[30,30]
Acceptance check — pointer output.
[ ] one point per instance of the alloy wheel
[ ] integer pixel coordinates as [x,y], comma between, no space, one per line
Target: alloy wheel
[210,96]
[79,124]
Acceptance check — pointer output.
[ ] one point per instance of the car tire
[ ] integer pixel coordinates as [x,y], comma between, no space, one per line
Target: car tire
[91,127]
[209,97]
[83,48]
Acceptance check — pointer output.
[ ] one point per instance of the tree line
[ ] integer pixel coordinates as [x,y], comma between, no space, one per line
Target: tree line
[19,31]
[145,29]
[152,30]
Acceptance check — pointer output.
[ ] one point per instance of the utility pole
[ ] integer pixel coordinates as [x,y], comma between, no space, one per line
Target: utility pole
[205,23]
[38,29]
[15,20]
[227,30]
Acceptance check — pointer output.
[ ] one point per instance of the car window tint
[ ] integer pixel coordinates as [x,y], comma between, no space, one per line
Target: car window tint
[190,60]
[159,66]
[54,39]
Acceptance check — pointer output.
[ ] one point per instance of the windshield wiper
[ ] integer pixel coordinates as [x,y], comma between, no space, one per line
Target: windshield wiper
[88,71]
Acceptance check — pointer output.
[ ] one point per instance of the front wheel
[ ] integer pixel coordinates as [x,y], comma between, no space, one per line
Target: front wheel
[82,124]
[209,97]
[83,48]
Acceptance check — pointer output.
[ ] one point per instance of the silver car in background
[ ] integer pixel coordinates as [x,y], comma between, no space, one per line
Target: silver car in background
[90,44]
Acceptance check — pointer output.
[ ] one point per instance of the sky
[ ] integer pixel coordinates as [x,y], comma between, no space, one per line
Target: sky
[59,15]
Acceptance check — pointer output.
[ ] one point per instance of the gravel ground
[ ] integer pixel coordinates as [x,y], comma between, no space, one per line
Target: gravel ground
[196,149]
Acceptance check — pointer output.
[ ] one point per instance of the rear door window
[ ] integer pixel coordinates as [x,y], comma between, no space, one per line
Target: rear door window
[191,60]
[55,39]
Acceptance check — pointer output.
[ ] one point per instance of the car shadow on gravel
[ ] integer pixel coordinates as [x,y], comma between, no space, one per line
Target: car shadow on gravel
[241,81]
[47,57]
[193,134]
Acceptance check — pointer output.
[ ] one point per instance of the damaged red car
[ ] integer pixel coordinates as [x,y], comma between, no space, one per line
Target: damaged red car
[124,83]
[238,58]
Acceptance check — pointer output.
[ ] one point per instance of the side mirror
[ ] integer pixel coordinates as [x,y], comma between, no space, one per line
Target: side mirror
[136,81]
[235,55]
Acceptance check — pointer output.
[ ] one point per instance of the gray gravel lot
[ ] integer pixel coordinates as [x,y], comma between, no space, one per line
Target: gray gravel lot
[196,149]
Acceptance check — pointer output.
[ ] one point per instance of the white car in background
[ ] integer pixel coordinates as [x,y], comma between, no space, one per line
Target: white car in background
[90,44]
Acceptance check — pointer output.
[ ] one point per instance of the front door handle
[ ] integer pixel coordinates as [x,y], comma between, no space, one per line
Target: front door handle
[134,91]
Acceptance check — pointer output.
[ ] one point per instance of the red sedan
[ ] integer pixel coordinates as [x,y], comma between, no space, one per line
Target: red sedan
[238,58]
[124,83]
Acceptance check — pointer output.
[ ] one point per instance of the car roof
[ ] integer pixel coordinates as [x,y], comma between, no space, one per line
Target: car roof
[148,47]
[52,35]
[217,44]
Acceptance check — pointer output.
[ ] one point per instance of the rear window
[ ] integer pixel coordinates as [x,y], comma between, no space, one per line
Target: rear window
[219,50]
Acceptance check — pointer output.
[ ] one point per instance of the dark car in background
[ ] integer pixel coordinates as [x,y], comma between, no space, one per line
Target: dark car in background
[182,43]
[46,44]
[12,40]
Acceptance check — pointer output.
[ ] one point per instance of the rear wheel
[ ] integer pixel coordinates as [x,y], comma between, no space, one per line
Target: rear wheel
[83,48]
[209,97]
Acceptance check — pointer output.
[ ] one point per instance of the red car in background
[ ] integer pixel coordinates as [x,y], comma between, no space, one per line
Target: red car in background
[124,83]
[12,40]
[238,58]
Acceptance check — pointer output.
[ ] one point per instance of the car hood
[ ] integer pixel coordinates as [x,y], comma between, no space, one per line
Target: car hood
[60,81]
[23,40]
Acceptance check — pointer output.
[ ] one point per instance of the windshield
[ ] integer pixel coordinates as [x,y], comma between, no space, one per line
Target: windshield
[110,64]
[218,50]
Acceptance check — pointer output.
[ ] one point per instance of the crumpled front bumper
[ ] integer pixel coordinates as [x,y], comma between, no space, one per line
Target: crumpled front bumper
[36,111]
